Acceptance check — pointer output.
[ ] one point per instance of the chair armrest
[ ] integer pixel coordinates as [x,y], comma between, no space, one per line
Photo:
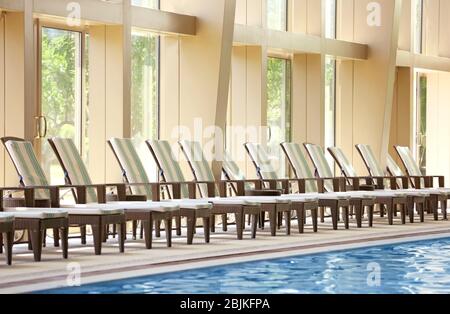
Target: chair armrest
[28,194]
[429,181]
[338,184]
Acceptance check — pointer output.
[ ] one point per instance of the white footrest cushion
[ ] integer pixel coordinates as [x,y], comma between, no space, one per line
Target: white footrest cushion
[38,213]
[147,206]
[6,217]
[94,209]
[265,199]
[190,204]
[300,198]
[232,201]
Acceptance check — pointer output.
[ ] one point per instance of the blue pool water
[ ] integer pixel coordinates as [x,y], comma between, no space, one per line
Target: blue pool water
[418,267]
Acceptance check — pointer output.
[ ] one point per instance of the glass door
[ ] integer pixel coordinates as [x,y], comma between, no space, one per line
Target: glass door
[61,94]
[278,110]
[421,121]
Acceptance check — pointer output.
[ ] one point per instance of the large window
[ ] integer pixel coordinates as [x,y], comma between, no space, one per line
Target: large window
[330,19]
[63,93]
[278,109]
[421,120]
[145,92]
[277,14]
[418,26]
[330,105]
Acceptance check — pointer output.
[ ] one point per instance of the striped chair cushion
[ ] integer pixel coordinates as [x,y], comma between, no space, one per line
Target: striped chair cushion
[132,166]
[232,170]
[169,168]
[320,162]
[261,159]
[372,164]
[410,164]
[395,170]
[28,167]
[75,168]
[347,167]
[200,166]
[300,165]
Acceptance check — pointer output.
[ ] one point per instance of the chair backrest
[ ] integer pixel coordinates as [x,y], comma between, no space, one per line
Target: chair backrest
[346,167]
[199,165]
[410,164]
[232,171]
[394,170]
[27,165]
[132,168]
[299,164]
[75,171]
[323,170]
[260,158]
[169,169]
[371,162]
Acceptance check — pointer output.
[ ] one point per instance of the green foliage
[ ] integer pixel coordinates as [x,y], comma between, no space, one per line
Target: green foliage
[144,92]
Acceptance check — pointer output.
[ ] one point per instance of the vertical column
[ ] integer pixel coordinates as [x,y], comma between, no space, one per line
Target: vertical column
[30,70]
[126,28]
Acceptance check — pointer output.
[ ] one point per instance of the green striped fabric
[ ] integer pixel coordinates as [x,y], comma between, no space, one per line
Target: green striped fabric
[260,157]
[232,170]
[28,166]
[132,165]
[410,164]
[347,167]
[320,162]
[395,170]
[200,166]
[170,170]
[300,165]
[371,162]
[76,170]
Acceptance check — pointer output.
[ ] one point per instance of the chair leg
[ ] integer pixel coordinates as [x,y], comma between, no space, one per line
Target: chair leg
[346,217]
[239,225]
[168,227]
[280,220]
[371,210]
[287,217]
[273,222]
[8,246]
[134,226]
[206,229]
[213,223]
[44,238]
[141,233]
[334,217]
[262,220]
[36,240]
[254,219]
[301,221]
[224,222]
[411,213]
[358,214]
[421,212]
[1,243]
[122,232]
[114,231]
[322,214]
[65,241]
[191,219]
[55,237]
[30,243]
[314,217]
[158,228]
[178,225]
[147,226]
[444,209]
[97,234]
[83,235]
[403,214]
[390,214]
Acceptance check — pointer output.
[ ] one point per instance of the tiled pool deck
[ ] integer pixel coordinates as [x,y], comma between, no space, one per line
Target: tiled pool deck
[26,275]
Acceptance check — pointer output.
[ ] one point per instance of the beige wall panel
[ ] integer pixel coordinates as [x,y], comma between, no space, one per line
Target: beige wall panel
[238,110]
[315,99]
[404,42]
[256,15]
[314,18]
[444,29]
[241,12]
[14,86]
[431,27]
[374,79]
[344,108]
[97,108]
[299,99]
[299,18]
[114,126]
[345,20]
